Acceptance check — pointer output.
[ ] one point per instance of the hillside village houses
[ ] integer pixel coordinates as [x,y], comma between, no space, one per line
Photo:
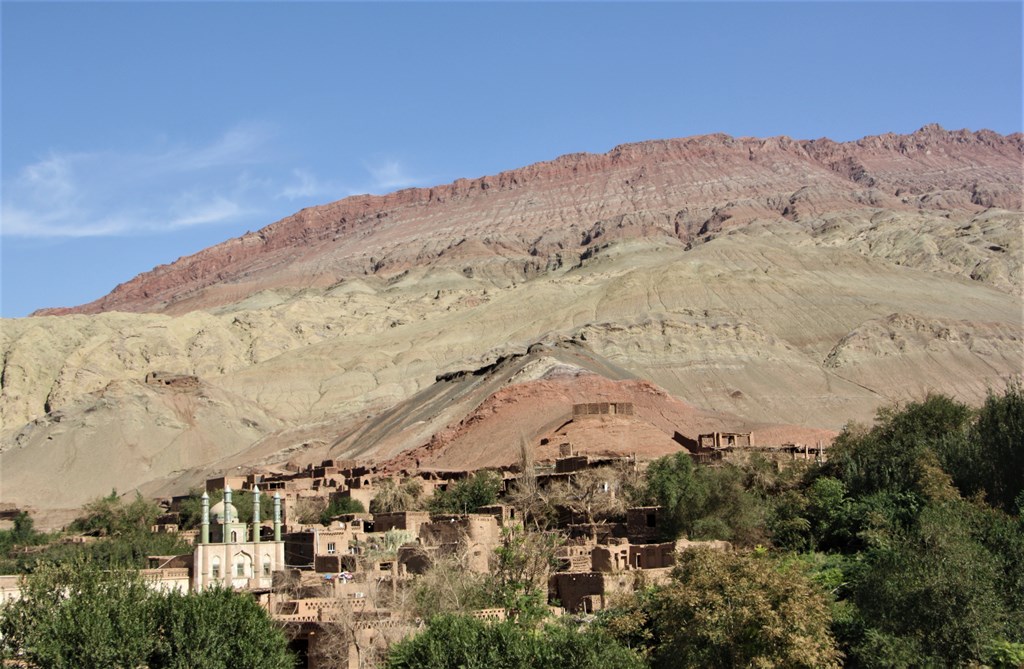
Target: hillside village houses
[314,577]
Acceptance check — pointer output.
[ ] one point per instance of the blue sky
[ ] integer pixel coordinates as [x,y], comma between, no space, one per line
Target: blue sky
[135,133]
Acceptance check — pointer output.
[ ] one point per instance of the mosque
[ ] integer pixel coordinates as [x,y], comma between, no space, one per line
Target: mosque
[231,553]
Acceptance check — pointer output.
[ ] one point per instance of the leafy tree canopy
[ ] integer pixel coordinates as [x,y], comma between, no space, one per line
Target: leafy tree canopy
[75,614]
[467,495]
[461,642]
[725,609]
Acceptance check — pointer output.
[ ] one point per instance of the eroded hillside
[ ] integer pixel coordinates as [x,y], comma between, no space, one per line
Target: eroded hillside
[782,282]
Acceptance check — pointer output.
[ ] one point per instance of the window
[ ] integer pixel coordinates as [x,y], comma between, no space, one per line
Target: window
[266,565]
[240,569]
[234,537]
[651,520]
[215,568]
[331,549]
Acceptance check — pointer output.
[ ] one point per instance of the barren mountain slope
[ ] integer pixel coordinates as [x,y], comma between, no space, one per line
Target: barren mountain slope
[531,219]
[786,282]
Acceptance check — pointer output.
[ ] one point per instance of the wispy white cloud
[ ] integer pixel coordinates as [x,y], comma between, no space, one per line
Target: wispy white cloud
[206,211]
[108,193]
[391,175]
[304,185]
[240,145]
[171,186]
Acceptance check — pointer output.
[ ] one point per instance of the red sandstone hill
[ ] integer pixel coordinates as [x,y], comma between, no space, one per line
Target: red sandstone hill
[521,222]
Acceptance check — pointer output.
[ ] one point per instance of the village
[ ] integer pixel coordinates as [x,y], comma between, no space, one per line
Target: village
[340,583]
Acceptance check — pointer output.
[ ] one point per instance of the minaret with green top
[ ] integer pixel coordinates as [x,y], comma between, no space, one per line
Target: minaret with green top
[256,514]
[277,516]
[204,534]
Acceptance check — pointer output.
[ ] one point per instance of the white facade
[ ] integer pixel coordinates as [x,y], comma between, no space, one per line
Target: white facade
[240,565]
[236,558]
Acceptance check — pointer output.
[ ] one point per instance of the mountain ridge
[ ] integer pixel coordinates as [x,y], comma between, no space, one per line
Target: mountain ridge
[345,222]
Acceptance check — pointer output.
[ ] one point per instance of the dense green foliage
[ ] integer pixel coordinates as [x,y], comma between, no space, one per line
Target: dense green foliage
[75,615]
[461,642]
[912,528]
[216,628]
[121,537]
[340,506]
[705,502]
[518,582]
[17,544]
[926,506]
[724,609]
[468,495]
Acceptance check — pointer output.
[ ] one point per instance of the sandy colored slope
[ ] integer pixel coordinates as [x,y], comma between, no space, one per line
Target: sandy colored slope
[739,325]
[120,438]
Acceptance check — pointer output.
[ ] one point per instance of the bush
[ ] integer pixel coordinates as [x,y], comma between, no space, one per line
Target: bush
[461,642]
[733,609]
[706,502]
[76,615]
[393,496]
[340,506]
[468,495]
[933,590]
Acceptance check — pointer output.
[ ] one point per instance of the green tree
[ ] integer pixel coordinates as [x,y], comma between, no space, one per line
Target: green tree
[340,506]
[76,615]
[936,593]
[467,495]
[520,577]
[123,531]
[672,483]
[726,609]
[461,642]
[999,439]
[73,615]
[729,511]
[890,457]
[393,496]
[110,516]
[217,629]
[24,531]
[706,502]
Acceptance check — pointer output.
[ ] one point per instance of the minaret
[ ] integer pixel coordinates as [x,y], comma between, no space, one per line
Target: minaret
[227,507]
[204,534]
[256,514]
[277,516]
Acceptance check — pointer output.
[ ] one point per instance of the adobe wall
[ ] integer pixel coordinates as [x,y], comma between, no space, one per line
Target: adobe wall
[602,409]
[578,592]
[652,556]
[642,523]
[400,520]
[575,558]
[477,534]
